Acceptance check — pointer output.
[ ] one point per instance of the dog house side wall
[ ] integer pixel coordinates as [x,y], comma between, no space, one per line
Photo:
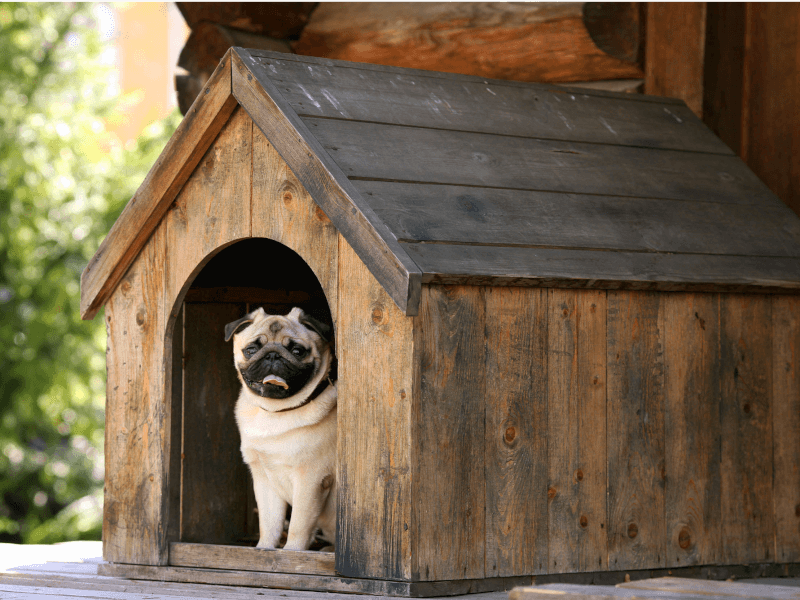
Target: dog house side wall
[558,431]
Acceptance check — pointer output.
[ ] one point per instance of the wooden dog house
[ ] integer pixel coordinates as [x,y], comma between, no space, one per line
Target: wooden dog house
[566,324]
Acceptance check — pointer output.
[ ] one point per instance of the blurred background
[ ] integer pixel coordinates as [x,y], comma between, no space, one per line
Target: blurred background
[88,103]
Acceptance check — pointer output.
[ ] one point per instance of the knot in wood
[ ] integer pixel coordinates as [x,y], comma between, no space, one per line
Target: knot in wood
[327,482]
[126,286]
[797,511]
[402,394]
[579,475]
[140,317]
[287,197]
[377,314]
[633,530]
[552,493]
[684,538]
[584,521]
[746,408]
[510,434]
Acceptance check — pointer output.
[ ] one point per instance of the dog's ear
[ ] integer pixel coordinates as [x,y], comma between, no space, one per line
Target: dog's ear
[232,328]
[315,325]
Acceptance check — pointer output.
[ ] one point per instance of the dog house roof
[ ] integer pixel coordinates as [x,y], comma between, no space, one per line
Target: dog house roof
[443,178]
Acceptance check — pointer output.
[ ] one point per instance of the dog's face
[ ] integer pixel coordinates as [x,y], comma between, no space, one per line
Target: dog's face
[276,356]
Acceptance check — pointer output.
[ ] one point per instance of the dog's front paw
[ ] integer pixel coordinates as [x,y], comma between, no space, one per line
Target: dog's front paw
[265,545]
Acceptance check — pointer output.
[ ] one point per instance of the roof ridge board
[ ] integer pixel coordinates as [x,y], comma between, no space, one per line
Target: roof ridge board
[511,135]
[326,182]
[151,201]
[559,88]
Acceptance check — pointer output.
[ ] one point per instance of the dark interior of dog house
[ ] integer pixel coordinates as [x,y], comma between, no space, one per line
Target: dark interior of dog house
[214,503]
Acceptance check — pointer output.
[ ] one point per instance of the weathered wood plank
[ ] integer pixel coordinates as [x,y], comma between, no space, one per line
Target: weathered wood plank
[545,267]
[692,428]
[326,62]
[152,200]
[450,213]
[635,426]
[731,589]
[576,410]
[449,466]
[174,344]
[284,211]
[214,476]
[213,208]
[545,42]
[239,558]
[322,583]
[537,111]
[516,437]
[675,40]
[786,426]
[137,442]
[390,152]
[748,530]
[326,183]
[375,442]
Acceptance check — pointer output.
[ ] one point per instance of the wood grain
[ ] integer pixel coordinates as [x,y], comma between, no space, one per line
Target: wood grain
[465,158]
[516,438]
[449,491]
[471,215]
[283,210]
[674,56]
[786,426]
[400,97]
[692,428]
[137,434]
[576,428]
[323,178]
[547,267]
[152,200]
[548,42]
[214,476]
[251,559]
[377,391]
[635,426]
[213,208]
[748,530]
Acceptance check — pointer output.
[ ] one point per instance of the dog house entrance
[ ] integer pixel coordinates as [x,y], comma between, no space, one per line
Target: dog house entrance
[212,502]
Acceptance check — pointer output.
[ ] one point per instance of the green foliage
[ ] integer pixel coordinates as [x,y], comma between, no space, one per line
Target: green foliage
[63,181]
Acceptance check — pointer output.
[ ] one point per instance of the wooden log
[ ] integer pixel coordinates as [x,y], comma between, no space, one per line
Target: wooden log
[786,425]
[280,20]
[576,411]
[676,35]
[137,442]
[748,513]
[523,42]
[516,438]
[449,465]
[692,428]
[207,44]
[635,426]
[375,443]
[153,198]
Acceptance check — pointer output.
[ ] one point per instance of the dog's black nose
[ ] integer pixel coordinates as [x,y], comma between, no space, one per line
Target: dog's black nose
[272,356]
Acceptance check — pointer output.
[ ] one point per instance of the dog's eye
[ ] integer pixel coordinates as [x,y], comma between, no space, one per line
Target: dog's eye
[250,350]
[299,351]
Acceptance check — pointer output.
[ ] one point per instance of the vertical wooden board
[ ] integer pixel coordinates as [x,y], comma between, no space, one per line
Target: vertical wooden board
[213,474]
[137,414]
[786,424]
[516,431]
[576,427]
[285,212]
[449,464]
[674,55]
[174,342]
[376,392]
[213,208]
[748,524]
[692,428]
[635,426]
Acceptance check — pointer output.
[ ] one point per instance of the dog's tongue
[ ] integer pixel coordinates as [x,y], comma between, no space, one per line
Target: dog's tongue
[275,380]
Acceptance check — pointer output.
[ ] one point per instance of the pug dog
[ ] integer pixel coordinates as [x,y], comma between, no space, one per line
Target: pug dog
[286,413]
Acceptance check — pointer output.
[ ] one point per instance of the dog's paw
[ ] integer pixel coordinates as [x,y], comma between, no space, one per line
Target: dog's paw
[265,545]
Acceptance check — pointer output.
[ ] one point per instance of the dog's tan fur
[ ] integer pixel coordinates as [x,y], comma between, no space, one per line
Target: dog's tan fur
[291,454]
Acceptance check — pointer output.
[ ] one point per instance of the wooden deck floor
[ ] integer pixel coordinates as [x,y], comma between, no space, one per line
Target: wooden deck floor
[70,571]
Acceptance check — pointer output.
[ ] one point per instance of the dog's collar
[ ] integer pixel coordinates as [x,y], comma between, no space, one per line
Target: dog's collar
[321,387]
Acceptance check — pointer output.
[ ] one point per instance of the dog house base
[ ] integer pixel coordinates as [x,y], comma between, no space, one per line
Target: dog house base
[318,583]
